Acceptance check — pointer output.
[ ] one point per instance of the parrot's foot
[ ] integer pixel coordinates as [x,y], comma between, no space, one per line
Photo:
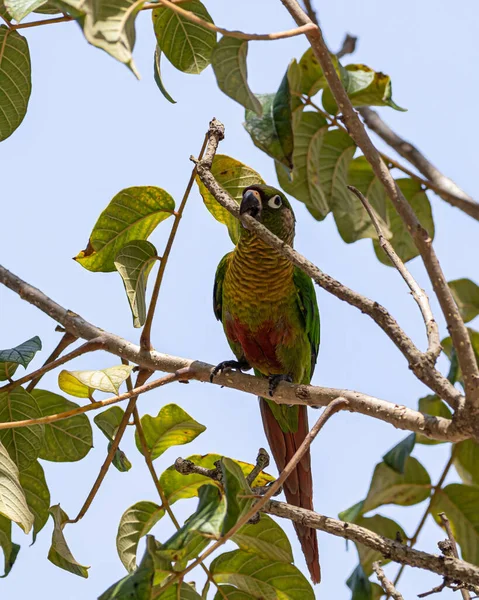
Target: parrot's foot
[275,380]
[229,364]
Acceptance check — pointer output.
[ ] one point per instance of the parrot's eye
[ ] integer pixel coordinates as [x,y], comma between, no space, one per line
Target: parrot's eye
[275,201]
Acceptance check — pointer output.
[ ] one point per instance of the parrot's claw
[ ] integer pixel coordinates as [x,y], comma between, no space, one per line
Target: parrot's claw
[275,380]
[228,364]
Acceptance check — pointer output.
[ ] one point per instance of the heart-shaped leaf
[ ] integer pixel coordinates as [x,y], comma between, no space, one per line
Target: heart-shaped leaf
[134,263]
[188,46]
[233,176]
[13,504]
[59,553]
[22,354]
[261,577]
[68,440]
[466,295]
[37,495]
[82,383]
[172,427]
[135,523]
[15,80]
[22,443]
[389,487]
[265,538]
[132,215]
[229,64]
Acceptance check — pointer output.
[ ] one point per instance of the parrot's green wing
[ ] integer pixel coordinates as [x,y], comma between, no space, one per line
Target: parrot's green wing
[218,287]
[308,306]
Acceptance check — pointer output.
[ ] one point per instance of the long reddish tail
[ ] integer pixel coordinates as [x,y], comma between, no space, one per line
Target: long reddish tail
[298,488]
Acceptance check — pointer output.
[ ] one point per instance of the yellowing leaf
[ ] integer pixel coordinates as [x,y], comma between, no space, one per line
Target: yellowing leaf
[233,176]
[82,383]
[13,504]
[172,427]
[132,215]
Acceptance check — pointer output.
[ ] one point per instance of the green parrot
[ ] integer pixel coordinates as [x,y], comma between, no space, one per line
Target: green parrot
[270,316]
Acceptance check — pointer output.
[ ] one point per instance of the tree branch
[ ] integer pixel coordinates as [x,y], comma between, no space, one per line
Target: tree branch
[357,131]
[420,363]
[442,185]
[400,416]
[419,295]
[447,526]
[387,585]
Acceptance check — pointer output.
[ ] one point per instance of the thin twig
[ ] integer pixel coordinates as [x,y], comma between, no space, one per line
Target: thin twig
[387,585]
[308,5]
[7,22]
[421,237]
[442,185]
[335,406]
[66,340]
[90,346]
[400,416]
[447,526]
[420,363]
[262,461]
[419,295]
[140,380]
[145,339]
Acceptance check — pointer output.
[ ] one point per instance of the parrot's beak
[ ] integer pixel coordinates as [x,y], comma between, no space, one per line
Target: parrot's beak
[251,204]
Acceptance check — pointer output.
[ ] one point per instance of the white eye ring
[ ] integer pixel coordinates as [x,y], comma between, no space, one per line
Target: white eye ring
[275,201]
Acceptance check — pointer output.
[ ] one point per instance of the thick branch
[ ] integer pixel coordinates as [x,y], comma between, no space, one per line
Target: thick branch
[286,393]
[446,566]
[443,186]
[421,364]
[419,295]
[422,239]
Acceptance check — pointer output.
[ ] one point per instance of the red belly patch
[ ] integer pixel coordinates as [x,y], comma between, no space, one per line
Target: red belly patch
[259,346]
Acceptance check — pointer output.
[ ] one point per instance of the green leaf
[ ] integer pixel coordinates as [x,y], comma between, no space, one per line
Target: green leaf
[135,522]
[434,406]
[134,263]
[448,348]
[303,183]
[4,12]
[232,593]
[401,240]
[389,487]
[59,553]
[272,132]
[157,75]
[37,495]
[82,383]
[460,503]
[137,585]
[106,25]
[172,427]
[15,80]
[186,592]
[108,422]
[233,176]
[260,577]
[352,513]
[202,526]
[7,370]
[10,549]
[22,443]
[132,215]
[229,64]
[68,440]
[47,8]
[265,538]
[397,456]
[22,354]
[235,485]
[466,461]
[13,504]
[365,87]
[19,9]
[466,295]
[382,526]
[360,585]
[187,46]
[312,76]
[177,486]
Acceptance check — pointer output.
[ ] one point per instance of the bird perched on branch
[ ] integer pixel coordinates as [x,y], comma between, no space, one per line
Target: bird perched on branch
[270,316]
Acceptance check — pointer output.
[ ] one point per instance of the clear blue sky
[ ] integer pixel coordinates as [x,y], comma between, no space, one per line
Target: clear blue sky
[92,130]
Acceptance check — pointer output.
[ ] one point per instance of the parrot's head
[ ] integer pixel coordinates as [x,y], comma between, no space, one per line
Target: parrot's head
[271,207]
